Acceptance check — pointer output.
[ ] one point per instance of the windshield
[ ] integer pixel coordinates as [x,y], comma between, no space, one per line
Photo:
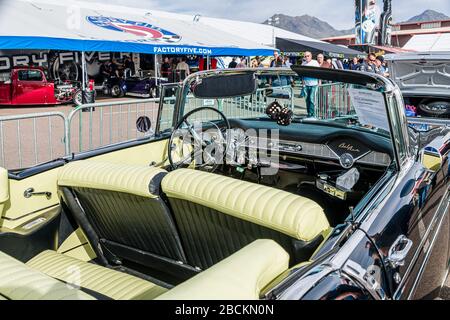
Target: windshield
[360,107]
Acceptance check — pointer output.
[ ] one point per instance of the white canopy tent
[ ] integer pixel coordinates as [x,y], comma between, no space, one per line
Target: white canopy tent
[262,34]
[84,26]
[88,27]
[429,42]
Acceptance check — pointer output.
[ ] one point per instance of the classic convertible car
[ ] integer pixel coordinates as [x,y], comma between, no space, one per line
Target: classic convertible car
[226,202]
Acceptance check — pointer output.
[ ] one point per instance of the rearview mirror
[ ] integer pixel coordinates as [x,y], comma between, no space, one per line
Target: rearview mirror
[143,124]
[225,86]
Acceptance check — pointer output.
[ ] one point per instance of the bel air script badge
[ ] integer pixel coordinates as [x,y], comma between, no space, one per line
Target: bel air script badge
[348,147]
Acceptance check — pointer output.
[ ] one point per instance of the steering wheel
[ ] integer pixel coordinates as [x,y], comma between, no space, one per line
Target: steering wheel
[199,144]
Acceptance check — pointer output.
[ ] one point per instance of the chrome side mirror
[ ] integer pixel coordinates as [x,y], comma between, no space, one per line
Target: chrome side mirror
[399,251]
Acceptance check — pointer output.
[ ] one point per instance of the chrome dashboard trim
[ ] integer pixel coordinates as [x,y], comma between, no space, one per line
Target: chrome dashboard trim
[322,151]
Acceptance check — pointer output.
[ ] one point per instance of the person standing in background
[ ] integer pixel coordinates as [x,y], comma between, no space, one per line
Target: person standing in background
[322,62]
[128,64]
[381,66]
[183,67]
[370,64]
[310,86]
[286,62]
[232,64]
[114,68]
[166,68]
[275,58]
[242,64]
[354,65]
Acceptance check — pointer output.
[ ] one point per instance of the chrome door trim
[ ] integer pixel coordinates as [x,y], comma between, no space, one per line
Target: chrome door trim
[440,212]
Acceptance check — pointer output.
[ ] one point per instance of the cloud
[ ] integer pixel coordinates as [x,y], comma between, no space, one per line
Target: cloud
[339,14]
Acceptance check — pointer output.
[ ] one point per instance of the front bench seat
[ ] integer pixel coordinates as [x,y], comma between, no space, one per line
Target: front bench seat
[120,210]
[242,276]
[217,216]
[20,282]
[54,276]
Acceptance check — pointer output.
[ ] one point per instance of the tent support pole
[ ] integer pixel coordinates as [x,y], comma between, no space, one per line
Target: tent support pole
[83,75]
[208,63]
[156,69]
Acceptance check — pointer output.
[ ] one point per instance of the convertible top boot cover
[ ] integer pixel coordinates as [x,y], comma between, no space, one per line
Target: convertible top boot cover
[242,276]
[20,282]
[109,283]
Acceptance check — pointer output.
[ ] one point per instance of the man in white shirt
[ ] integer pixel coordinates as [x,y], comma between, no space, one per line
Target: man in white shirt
[183,66]
[310,85]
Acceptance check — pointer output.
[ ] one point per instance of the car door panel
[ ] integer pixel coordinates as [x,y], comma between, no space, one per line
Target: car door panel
[20,209]
[4,189]
[29,225]
[412,210]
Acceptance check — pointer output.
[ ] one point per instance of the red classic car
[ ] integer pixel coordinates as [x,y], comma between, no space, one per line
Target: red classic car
[29,86]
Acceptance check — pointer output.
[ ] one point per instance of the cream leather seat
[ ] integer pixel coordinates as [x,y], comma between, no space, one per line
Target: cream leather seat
[53,276]
[120,209]
[217,216]
[242,276]
[20,282]
[109,283]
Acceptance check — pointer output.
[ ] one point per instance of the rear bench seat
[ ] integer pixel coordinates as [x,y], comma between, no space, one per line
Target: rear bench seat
[217,216]
[241,276]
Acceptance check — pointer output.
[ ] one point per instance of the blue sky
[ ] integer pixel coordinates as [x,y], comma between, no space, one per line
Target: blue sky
[337,13]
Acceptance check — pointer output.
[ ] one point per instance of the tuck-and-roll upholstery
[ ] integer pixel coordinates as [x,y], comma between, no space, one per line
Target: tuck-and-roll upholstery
[210,217]
[122,204]
[218,215]
[53,276]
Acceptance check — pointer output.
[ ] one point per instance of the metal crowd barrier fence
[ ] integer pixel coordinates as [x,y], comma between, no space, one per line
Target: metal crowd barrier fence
[107,123]
[243,107]
[333,101]
[30,139]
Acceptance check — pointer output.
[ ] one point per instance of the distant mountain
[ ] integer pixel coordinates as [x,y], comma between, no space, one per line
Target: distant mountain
[308,26]
[315,28]
[429,15]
